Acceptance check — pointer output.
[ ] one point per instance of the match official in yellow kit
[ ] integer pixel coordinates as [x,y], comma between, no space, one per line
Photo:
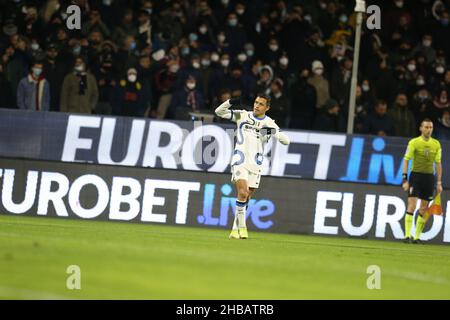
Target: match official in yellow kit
[426,154]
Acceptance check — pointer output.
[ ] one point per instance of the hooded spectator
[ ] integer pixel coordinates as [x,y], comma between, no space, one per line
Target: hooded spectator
[319,82]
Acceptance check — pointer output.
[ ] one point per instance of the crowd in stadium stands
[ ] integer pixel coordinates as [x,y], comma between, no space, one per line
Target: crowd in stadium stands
[168,58]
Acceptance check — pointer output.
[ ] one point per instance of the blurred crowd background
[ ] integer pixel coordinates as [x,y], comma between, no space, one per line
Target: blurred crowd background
[167,59]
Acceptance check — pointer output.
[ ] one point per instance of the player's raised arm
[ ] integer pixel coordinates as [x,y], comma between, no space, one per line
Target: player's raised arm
[224,111]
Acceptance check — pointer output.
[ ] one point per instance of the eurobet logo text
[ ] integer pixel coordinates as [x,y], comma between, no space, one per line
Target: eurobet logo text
[380,211]
[125,199]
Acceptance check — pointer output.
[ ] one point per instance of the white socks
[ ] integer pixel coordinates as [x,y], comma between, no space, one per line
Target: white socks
[240,214]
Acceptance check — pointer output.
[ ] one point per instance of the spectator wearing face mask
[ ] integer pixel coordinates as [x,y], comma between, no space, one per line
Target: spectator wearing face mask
[79,92]
[363,106]
[422,106]
[283,69]
[206,72]
[221,74]
[185,100]
[191,69]
[33,92]
[272,53]
[132,96]
[36,51]
[235,34]
[127,55]
[320,83]
[425,47]
[437,76]
[205,37]
[405,122]
[125,28]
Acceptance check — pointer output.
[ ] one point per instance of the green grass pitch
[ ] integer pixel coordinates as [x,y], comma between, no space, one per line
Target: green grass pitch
[137,261]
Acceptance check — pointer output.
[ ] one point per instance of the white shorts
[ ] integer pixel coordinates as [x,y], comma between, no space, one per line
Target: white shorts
[242,173]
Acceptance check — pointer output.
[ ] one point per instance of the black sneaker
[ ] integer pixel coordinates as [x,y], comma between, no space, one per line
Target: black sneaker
[418,241]
[407,240]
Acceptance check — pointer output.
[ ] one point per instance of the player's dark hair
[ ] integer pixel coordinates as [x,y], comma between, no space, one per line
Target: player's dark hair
[426,120]
[264,96]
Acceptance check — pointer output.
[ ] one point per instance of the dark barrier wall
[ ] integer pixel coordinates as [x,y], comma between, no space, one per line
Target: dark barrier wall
[190,146]
[83,191]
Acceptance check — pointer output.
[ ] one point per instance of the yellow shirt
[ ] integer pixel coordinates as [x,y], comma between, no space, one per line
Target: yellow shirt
[424,154]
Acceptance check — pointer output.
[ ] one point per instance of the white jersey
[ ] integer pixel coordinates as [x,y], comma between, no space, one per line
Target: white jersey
[250,140]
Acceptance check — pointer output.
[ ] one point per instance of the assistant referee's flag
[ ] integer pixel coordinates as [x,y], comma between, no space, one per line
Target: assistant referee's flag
[436,207]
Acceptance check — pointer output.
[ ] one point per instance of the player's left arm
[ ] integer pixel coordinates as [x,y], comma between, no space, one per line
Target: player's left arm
[439,170]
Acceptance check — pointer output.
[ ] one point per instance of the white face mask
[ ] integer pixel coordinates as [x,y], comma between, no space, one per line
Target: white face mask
[221,38]
[242,57]
[284,61]
[225,63]
[37,72]
[411,67]
[203,30]
[215,57]
[132,77]
[420,82]
[174,68]
[318,72]
[399,4]
[365,88]
[440,69]
[79,68]
[273,47]
[250,53]
[426,43]
[240,12]
[35,46]
[190,85]
[206,62]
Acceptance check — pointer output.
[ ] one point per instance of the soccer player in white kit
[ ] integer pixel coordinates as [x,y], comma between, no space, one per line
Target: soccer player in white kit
[254,130]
